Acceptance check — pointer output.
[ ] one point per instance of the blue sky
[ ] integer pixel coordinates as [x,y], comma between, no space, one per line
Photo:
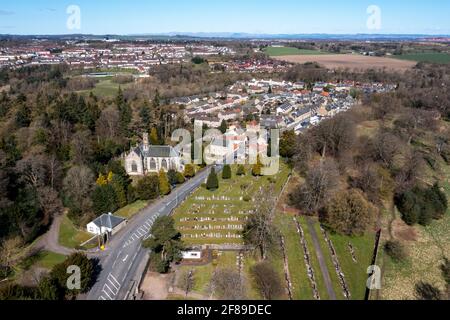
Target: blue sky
[251,16]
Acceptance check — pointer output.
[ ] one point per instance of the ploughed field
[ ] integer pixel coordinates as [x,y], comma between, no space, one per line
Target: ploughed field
[336,61]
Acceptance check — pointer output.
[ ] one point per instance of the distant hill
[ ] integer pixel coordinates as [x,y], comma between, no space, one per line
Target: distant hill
[237,36]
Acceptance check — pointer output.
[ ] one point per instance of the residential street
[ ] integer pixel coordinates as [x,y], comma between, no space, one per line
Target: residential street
[124,256]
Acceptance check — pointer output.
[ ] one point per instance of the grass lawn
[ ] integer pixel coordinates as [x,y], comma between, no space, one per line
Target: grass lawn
[70,236]
[425,255]
[355,273]
[314,261]
[290,51]
[105,88]
[131,209]
[42,259]
[203,274]
[330,266]
[300,282]
[433,57]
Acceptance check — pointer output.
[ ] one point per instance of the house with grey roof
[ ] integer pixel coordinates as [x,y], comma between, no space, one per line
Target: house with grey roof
[106,224]
[145,158]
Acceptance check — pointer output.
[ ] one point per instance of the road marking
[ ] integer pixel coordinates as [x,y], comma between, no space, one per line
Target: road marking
[107,294]
[139,233]
[125,259]
[101,298]
[115,287]
[114,278]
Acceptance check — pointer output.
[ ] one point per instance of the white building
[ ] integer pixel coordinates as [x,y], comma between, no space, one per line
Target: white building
[106,224]
[146,158]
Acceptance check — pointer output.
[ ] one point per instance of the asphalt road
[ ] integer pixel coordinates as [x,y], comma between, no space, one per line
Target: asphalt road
[124,256]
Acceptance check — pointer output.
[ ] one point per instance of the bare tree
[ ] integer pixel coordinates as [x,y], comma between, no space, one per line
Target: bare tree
[227,284]
[81,147]
[259,230]
[50,203]
[107,125]
[78,184]
[187,281]
[33,169]
[321,182]
[385,147]
[8,249]
[267,280]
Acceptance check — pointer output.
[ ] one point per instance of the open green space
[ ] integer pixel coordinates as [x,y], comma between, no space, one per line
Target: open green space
[203,274]
[42,259]
[70,236]
[130,210]
[106,87]
[290,51]
[355,272]
[297,270]
[433,57]
[329,261]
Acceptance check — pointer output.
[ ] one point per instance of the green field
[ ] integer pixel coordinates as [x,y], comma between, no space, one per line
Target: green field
[300,282]
[105,88]
[355,273]
[70,236]
[42,259]
[130,210]
[218,217]
[433,57]
[290,51]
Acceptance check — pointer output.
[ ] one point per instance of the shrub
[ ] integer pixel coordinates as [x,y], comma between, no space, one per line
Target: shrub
[148,188]
[226,173]
[422,205]
[395,250]
[212,183]
[241,170]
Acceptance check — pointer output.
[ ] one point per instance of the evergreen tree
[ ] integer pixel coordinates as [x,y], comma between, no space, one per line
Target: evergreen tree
[148,187]
[87,268]
[164,186]
[144,114]
[125,113]
[104,199]
[226,173]
[241,170]
[257,168]
[223,127]
[165,244]
[154,138]
[213,182]
[181,179]
[119,189]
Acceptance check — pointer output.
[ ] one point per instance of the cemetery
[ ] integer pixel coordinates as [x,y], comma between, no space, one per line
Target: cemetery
[218,217]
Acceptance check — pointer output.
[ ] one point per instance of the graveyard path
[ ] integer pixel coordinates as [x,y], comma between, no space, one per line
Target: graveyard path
[321,259]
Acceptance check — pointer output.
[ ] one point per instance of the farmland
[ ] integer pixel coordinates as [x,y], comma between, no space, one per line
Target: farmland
[433,57]
[357,62]
[288,51]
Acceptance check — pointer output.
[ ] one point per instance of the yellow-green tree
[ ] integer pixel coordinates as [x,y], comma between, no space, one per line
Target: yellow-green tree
[102,180]
[257,168]
[189,171]
[154,139]
[164,186]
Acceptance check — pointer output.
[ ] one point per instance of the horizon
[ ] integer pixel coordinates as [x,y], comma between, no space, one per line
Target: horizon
[286,17]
